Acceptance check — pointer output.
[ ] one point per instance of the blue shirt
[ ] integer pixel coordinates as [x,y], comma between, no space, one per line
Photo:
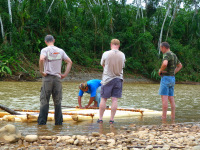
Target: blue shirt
[92,87]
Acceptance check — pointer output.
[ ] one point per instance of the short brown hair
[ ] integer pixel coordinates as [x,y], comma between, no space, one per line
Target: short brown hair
[49,38]
[115,42]
[165,44]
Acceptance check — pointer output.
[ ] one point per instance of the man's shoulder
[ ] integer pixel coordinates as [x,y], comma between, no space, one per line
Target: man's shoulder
[45,48]
[111,51]
[167,54]
[50,47]
[44,51]
[59,49]
[106,52]
[122,53]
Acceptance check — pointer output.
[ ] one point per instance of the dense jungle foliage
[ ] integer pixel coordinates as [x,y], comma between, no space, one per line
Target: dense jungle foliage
[84,28]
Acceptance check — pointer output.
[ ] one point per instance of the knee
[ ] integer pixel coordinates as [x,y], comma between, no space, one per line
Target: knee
[171,98]
[173,106]
[165,106]
[114,99]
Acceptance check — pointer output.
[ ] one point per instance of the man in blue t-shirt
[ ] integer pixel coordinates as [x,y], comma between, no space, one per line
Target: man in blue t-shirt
[92,87]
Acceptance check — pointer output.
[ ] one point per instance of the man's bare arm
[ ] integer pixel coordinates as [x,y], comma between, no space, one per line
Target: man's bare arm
[163,66]
[79,102]
[90,102]
[68,67]
[41,65]
[178,68]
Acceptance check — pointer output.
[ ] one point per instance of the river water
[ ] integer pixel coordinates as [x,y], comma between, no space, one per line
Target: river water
[25,95]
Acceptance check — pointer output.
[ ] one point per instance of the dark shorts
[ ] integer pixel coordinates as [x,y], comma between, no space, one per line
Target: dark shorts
[112,89]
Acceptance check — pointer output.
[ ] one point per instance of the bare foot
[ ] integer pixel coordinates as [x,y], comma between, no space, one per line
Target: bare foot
[93,106]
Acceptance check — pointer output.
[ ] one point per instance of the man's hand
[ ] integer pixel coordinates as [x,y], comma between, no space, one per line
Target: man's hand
[86,106]
[43,74]
[161,72]
[68,67]
[62,76]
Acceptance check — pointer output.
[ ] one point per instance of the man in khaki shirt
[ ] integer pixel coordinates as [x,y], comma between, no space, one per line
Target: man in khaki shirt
[113,62]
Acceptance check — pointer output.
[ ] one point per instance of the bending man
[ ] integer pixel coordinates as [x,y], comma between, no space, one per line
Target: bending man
[92,87]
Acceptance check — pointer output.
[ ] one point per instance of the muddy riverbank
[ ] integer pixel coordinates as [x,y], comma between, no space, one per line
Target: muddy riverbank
[80,76]
[185,136]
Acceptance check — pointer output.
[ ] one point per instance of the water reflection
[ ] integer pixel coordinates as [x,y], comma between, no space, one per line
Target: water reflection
[25,95]
[107,128]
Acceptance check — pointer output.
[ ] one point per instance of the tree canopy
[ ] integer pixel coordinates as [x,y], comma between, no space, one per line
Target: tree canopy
[84,28]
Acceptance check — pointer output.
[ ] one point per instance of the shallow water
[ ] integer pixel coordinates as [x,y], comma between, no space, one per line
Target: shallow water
[25,95]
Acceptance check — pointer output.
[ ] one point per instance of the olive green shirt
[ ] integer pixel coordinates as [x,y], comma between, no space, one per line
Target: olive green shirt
[172,62]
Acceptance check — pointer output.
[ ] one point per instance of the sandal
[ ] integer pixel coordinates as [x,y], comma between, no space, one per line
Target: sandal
[99,121]
[111,121]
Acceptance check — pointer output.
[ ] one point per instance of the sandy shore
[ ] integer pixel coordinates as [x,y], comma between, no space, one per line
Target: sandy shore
[184,136]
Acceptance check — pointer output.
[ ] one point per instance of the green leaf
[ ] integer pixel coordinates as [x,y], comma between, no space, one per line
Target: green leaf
[8,70]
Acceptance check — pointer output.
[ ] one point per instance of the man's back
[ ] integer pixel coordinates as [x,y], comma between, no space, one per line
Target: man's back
[172,62]
[53,59]
[113,62]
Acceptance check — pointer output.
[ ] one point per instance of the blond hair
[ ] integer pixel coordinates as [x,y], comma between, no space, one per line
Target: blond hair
[115,42]
[83,86]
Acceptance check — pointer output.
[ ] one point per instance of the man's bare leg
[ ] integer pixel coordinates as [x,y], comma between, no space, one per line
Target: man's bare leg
[113,108]
[173,107]
[164,106]
[102,108]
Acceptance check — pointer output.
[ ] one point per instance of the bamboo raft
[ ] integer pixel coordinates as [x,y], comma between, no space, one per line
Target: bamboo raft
[75,114]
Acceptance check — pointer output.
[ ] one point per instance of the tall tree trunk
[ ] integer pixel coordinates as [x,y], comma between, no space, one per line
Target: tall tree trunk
[2,31]
[173,17]
[110,14]
[10,15]
[142,15]
[138,10]
[65,3]
[50,6]
[161,32]
[95,25]
[196,9]
[10,12]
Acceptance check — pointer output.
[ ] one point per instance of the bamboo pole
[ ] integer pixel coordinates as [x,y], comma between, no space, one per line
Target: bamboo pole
[120,109]
[37,111]
[2,30]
